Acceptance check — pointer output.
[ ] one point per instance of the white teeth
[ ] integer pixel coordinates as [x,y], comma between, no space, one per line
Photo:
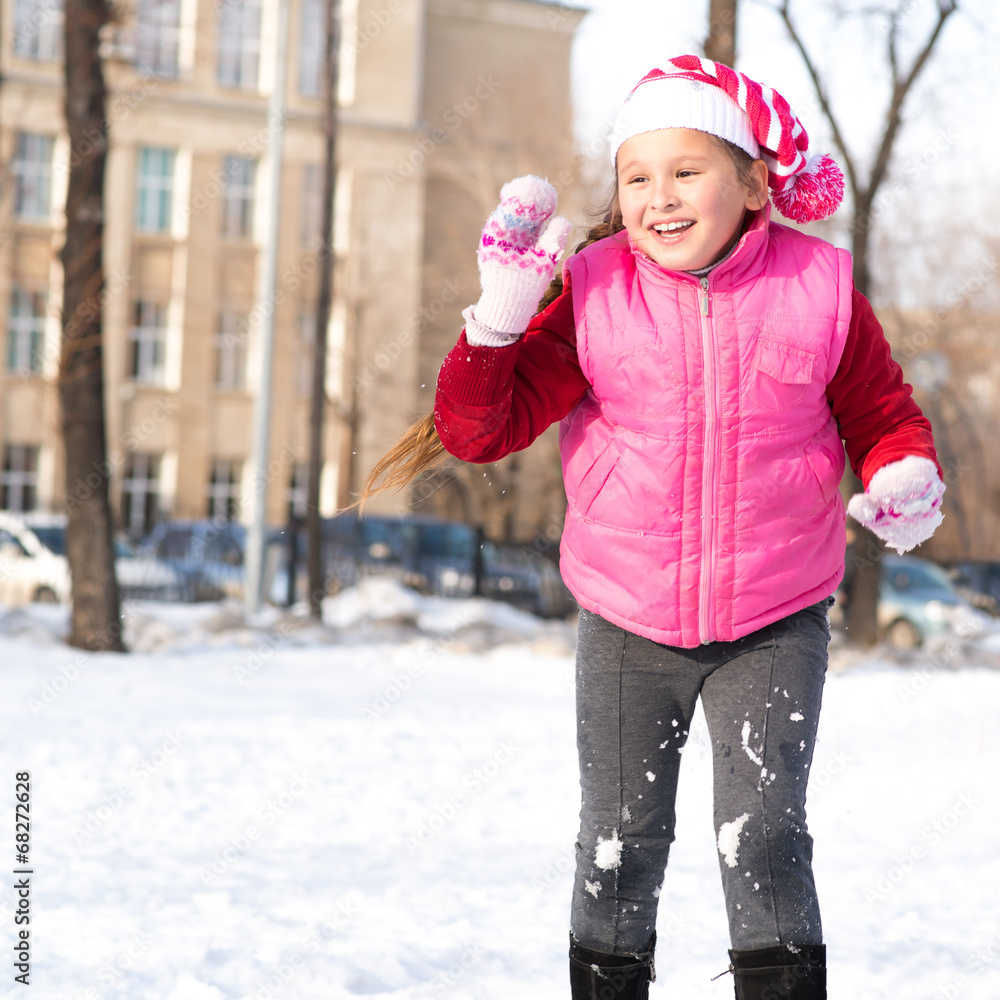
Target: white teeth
[670,227]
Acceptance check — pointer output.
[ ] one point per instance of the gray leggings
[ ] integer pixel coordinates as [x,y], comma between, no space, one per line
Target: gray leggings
[635,702]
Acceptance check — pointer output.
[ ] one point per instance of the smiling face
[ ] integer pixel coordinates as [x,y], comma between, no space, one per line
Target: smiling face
[681,197]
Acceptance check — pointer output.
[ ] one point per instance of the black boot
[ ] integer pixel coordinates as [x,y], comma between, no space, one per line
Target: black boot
[780,973]
[596,975]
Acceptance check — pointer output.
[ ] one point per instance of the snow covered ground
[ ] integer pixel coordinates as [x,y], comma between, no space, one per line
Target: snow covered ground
[387,809]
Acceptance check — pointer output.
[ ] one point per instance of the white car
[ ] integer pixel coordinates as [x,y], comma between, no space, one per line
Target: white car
[33,564]
[29,570]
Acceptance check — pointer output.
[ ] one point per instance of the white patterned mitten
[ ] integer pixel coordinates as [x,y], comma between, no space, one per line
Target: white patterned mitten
[902,504]
[517,257]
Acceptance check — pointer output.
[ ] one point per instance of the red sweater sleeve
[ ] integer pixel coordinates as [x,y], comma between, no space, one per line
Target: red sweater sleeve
[492,401]
[878,418]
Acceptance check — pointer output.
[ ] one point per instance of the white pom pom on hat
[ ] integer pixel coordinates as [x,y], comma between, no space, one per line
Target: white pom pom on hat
[697,93]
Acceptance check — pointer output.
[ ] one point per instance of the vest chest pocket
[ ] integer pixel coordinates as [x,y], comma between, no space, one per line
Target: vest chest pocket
[780,375]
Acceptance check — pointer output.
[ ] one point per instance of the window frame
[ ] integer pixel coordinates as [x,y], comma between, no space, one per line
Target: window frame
[19,476]
[147,339]
[239,44]
[26,325]
[33,176]
[154,189]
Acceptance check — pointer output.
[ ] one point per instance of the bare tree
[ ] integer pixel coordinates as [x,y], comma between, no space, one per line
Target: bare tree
[317,413]
[95,617]
[862,583]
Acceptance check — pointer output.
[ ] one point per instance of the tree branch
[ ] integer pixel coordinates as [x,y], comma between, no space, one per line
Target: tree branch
[900,90]
[838,138]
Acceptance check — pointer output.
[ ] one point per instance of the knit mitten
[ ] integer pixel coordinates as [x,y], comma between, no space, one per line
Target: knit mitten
[517,258]
[902,503]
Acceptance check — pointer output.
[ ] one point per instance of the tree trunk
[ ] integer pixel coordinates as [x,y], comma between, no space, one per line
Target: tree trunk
[720,45]
[863,569]
[317,412]
[95,618]
[864,572]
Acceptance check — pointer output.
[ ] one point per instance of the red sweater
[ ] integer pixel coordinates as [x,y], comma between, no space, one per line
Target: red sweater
[493,401]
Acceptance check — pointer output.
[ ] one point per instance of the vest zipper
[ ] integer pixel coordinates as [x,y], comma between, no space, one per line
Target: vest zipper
[709,472]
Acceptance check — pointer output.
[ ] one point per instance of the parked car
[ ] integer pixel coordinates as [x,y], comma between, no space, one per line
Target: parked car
[29,570]
[432,556]
[978,583]
[33,564]
[207,555]
[917,599]
[526,579]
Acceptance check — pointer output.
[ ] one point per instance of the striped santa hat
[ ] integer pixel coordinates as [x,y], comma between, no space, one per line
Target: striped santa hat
[698,93]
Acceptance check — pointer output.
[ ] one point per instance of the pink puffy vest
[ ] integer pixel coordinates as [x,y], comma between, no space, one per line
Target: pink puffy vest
[702,469]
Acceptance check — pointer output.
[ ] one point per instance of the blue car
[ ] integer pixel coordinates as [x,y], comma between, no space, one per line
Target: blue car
[917,600]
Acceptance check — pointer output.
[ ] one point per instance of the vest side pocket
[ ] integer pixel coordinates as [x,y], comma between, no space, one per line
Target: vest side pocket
[782,374]
[827,470]
[595,479]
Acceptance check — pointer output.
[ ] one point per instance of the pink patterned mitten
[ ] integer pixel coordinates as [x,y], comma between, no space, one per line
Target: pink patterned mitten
[902,504]
[517,257]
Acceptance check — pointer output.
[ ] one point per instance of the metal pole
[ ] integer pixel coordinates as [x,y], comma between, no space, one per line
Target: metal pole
[265,308]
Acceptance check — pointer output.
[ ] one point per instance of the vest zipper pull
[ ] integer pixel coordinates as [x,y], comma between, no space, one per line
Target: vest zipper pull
[704,296]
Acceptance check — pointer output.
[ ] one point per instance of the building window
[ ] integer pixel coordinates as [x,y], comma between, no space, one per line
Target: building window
[140,493]
[239,43]
[19,485]
[312,205]
[224,490]
[33,176]
[237,197]
[148,343]
[231,351]
[26,331]
[157,37]
[154,190]
[38,29]
[312,48]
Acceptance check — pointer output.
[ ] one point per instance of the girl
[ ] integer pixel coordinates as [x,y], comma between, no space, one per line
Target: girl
[705,363]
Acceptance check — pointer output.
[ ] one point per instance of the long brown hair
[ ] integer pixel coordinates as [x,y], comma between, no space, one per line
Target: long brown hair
[420,449]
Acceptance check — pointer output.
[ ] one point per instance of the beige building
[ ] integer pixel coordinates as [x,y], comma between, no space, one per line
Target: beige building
[441,102]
